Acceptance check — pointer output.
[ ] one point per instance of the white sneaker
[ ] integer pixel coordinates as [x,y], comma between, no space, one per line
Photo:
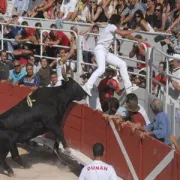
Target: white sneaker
[131,89]
[87,90]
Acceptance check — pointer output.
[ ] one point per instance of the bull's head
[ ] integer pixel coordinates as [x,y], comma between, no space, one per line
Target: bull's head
[75,90]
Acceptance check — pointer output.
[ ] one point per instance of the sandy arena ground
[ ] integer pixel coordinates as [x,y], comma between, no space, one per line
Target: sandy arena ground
[44,166]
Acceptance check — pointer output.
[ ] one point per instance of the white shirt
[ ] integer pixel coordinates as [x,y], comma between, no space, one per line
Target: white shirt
[67,7]
[21,5]
[98,170]
[144,114]
[59,83]
[175,94]
[94,101]
[107,36]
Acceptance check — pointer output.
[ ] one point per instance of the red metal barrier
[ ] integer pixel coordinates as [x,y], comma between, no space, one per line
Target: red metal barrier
[83,127]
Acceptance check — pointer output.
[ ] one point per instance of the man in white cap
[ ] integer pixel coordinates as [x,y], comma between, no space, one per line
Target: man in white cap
[174,86]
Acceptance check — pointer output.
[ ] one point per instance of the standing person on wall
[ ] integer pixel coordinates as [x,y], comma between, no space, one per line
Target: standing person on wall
[98,169]
[106,38]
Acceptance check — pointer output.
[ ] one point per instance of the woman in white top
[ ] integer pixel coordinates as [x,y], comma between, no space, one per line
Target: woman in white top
[141,22]
[101,51]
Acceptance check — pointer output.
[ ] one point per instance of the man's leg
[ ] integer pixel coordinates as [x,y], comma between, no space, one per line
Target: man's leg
[119,63]
[100,54]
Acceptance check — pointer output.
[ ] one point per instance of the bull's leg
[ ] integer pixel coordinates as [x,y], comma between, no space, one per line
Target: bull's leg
[57,131]
[7,168]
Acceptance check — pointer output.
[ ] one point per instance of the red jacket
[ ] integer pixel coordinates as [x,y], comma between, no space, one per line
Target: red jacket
[3,6]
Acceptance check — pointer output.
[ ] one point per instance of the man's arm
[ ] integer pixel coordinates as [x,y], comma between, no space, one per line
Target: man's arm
[18,38]
[176,85]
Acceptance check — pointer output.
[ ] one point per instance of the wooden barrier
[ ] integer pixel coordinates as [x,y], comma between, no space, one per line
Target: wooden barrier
[83,127]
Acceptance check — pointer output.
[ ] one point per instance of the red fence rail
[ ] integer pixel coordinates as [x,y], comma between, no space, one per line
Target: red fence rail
[83,127]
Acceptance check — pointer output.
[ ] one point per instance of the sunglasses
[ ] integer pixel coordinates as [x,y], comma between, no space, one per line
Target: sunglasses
[92,2]
[17,65]
[137,16]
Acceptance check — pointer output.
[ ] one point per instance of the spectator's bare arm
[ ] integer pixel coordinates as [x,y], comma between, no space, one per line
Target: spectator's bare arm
[95,15]
[18,38]
[176,85]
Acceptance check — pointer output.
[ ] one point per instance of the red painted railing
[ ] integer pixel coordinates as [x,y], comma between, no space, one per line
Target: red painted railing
[83,127]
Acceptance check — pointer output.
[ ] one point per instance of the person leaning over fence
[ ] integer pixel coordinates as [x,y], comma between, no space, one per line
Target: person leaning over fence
[102,54]
[98,169]
[160,128]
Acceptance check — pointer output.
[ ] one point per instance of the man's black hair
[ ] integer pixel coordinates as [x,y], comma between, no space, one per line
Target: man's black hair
[3,51]
[98,150]
[131,96]
[115,19]
[24,23]
[114,103]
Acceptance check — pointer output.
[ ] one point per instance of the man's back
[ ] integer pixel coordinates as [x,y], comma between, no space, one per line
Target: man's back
[98,170]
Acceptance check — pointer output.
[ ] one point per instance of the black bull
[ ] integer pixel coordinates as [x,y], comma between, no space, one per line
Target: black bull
[22,123]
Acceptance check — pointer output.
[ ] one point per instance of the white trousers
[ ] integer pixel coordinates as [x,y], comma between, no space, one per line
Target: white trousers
[103,56]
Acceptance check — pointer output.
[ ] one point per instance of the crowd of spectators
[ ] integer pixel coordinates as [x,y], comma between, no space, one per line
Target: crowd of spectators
[146,15]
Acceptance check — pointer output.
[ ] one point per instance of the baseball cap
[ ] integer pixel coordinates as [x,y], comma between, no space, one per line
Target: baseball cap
[175,56]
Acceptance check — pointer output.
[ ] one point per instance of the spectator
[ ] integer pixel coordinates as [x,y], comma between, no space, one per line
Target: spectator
[11,32]
[120,7]
[45,7]
[81,12]
[44,73]
[56,38]
[107,87]
[150,11]
[67,9]
[128,13]
[63,59]
[17,73]
[4,66]
[160,78]
[32,5]
[140,51]
[54,80]
[174,86]
[96,12]
[98,168]
[113,106]
[140,81]
[141,23]
[21,7]
[93,101]
[30,79]
[131,112]
[174,47]
[159,19]
[160,128]
[36,65]
[25,36]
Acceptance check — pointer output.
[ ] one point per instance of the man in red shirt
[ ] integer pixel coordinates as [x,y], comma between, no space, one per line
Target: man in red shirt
[3,6]
[25,36]
[56,38]
[160,77]
[107,87]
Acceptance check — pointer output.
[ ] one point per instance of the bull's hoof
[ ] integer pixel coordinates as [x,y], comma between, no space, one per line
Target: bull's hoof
[67,151]
[19,161]
[10,173]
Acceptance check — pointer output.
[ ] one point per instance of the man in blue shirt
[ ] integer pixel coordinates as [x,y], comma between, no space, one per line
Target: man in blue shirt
[17,73]
[30,79]
[160,128]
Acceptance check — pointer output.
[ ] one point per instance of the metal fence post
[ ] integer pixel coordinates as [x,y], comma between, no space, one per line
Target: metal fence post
[79,45]
[148,73]
[167,84]
[41,41]
[2,41]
